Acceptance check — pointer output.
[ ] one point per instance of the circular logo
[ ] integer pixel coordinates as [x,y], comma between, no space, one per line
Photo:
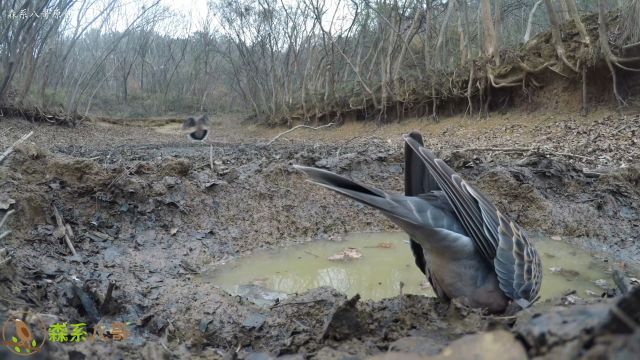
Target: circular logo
[24,335]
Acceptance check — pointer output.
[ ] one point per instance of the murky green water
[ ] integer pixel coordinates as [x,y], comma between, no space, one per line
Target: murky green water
[386,261]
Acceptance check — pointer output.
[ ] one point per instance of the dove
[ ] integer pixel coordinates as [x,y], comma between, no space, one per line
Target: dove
[197,129]
[465,246]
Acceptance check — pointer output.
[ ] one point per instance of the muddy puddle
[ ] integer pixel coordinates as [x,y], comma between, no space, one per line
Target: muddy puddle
[375,264]
[385,262]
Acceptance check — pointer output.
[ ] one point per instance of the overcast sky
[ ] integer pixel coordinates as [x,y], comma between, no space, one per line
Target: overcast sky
[196,10]
[189,15]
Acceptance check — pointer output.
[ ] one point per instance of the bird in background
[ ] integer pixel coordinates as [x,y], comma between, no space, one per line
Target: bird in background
[196,128]
[463,244]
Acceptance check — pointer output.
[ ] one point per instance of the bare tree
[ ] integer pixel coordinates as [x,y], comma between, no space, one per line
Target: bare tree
[555,33]
[489,32]
[527,33]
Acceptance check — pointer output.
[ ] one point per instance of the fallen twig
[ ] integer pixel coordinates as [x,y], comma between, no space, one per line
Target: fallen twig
[211,157]
[6,131]
[298,127]
[4,219]
[63,229]
[166,348]
[12,147]
[125,172]
[104,308]
[5,256]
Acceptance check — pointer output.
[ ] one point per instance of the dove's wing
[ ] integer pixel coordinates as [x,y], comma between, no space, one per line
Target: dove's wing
[498,239]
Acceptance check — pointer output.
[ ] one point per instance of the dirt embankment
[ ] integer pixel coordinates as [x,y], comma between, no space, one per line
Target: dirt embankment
[149,212]
[575,74]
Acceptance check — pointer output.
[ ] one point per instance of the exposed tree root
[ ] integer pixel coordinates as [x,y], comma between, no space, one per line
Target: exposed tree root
[609,57]
[474,81]
[35,114]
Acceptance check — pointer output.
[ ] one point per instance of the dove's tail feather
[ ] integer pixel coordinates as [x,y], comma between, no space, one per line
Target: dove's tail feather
[199,135]
[417,178]
[373,197]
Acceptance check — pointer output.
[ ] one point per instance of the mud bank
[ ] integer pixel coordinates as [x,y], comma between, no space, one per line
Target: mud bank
[148,216]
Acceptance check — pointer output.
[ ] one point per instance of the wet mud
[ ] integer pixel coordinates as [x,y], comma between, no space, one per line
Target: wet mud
[148,215]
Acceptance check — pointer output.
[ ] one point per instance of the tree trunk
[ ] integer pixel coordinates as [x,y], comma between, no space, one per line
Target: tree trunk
[45,82]
[443,28]
[488,29]
[585,105]
[527,34]
[463,21]
[555,34]
[497,29]
[565,10]
[425,42]
[413,30]
[32,60]
[8,75]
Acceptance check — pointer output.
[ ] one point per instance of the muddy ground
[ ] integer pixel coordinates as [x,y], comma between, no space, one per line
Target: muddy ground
[149,211]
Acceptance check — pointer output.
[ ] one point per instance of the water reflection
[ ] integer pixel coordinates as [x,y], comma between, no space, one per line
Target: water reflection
[381,269]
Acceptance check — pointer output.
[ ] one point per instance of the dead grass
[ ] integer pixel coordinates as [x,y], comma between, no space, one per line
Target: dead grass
[527,124]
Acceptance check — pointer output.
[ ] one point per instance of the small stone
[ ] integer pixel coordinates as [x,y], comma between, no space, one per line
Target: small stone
[570,300]
[592,293]
[254,321]
[204,324]
[601,283]
[146,237]
[6,202]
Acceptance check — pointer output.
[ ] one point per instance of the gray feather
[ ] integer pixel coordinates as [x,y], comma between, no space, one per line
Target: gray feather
[462,243]
[500,240]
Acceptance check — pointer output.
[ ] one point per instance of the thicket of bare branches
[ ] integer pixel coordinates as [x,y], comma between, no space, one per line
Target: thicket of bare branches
[300,61]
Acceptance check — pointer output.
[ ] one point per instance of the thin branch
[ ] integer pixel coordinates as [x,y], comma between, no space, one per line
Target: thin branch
[211,157]
[12,147]
[527,33]
[298,127]
[63,229]
[5,217]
